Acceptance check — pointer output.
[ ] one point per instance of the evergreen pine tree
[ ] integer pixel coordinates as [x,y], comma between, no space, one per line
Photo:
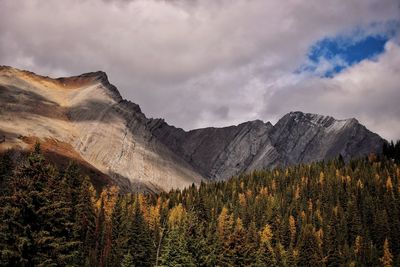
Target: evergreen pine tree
[140,242]
[57,223]
[251,244]
[265,256]
[238,244]
[119,237]
[282,256]
[97,256]
[197,241]
[6,168]
[21,214]
[309,251]
[212,245]
[36,218]
[335,256]
[353,222]
[127,260]
[85,223]
[175,251]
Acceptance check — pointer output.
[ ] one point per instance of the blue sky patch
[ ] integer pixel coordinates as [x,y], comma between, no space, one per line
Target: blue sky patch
[346,53]
[331,55]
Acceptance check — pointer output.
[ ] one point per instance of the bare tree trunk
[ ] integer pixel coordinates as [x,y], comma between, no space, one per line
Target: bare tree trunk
[159,243]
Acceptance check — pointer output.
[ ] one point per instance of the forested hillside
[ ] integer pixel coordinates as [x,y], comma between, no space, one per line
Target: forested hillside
[320,214]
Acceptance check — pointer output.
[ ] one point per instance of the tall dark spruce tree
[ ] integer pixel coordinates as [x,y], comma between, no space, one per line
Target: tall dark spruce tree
[175,251]
[140,243]
[85,223]
[119,235]
[309,251]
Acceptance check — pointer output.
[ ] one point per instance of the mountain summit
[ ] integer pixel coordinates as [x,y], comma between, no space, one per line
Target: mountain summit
[84,117]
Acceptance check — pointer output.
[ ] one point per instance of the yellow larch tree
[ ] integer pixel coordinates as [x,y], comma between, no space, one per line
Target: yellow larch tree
[387,258]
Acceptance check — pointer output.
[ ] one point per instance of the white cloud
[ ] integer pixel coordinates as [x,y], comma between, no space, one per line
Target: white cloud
[368,91]
[195,63]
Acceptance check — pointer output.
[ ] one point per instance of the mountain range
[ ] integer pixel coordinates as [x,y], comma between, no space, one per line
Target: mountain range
[85,119]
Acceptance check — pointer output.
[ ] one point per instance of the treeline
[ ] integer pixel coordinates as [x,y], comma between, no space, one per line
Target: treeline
[320,214]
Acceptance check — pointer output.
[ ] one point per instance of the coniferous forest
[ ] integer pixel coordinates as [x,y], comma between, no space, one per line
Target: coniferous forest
[320,214]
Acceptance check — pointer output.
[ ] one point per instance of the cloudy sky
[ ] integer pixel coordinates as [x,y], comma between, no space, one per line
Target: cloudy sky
[201,63]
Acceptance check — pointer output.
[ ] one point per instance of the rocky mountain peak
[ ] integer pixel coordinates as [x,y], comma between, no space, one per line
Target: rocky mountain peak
[255,123]
[96,76]
[115,137]
[90,79]
[308,118]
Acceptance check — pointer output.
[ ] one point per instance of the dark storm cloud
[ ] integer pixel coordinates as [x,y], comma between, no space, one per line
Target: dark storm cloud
[195,63]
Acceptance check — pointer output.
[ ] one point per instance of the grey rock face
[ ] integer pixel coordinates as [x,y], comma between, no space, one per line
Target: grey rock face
[219,153]
[308,137]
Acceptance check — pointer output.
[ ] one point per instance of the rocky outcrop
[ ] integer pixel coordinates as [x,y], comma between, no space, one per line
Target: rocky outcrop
[114,136]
